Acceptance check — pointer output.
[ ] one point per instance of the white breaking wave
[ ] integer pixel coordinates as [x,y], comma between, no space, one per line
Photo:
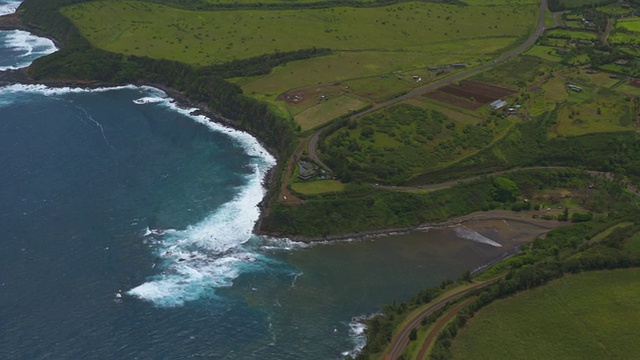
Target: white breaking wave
[210,254]
[357,334]
[27,47]
[469,234]
[9,7]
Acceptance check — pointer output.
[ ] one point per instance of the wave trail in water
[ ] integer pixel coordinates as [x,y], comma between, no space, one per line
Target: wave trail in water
[24,48]
[469,234]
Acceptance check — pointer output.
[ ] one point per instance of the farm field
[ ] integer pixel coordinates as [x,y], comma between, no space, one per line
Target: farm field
[470,94]
[545,52]
[583,316]
[569,34]
[327,110]
[204,37]
[631,25]
[317,187]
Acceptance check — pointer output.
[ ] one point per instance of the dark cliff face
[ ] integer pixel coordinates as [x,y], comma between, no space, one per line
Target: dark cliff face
[13,76]
[11,22]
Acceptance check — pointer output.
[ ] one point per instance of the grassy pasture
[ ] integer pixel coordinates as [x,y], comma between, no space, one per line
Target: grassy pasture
[349,65]
[623,38]
[327,110]
[518,72]
[201,37]
[317,187]
[633,244]
[631,25]
[583,316]
[613,9]
[545,52]
[574,4]
[571,34]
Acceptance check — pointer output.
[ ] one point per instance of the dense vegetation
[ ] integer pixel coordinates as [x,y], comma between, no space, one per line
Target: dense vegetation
[392,145]
[361,207]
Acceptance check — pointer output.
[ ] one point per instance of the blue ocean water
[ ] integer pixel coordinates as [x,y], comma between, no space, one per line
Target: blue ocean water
[127,233]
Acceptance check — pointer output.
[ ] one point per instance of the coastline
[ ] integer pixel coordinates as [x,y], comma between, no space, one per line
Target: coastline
[492,215]
[270,179]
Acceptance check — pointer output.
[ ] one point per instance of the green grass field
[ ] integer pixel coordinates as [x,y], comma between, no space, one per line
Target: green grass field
[317,187]
[633,244]
[201,37]
[585,316]
[573,4]
[631,25]
[327,110]
[569,34]
[545,52]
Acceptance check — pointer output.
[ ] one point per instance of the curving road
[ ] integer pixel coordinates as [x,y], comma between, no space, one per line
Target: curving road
[442,82]
[401,339]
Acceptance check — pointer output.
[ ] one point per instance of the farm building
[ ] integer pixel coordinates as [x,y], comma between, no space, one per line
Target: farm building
[497,104]
[574,88]
[459,66]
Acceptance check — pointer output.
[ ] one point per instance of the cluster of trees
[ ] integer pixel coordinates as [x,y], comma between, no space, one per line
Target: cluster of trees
[559,5]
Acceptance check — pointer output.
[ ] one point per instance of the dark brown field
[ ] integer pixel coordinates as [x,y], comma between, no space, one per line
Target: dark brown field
[470,94]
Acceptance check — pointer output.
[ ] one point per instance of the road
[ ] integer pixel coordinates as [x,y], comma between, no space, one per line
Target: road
[446,81]
[438,326]
[401,339]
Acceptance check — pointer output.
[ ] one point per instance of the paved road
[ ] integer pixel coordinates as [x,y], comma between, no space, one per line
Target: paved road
[401,339]
[438,326]
[446,81]
[451,183]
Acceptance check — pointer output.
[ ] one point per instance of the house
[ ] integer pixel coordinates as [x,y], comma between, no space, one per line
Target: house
[497,104]
[306,170]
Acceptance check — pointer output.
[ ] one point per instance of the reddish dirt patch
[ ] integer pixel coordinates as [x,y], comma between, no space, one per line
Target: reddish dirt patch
[470,94]
[635,82]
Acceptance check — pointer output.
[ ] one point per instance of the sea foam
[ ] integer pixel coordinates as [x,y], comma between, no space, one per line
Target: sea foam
[9,7]
[26,46]
[211,253]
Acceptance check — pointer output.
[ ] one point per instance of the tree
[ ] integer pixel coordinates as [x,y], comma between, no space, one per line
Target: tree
[504,189]
[413,335]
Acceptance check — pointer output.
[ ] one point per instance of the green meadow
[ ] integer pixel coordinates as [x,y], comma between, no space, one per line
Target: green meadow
[204,37]
[583,316]
[631,25]
[317,187]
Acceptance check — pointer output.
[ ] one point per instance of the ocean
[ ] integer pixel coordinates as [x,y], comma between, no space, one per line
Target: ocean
[127,228]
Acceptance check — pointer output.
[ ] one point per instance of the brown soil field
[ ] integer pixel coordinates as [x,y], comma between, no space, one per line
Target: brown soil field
[635,82]
[470,94]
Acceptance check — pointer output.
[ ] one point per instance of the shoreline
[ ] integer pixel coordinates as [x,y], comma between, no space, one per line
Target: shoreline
[491,215]
[269,182]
